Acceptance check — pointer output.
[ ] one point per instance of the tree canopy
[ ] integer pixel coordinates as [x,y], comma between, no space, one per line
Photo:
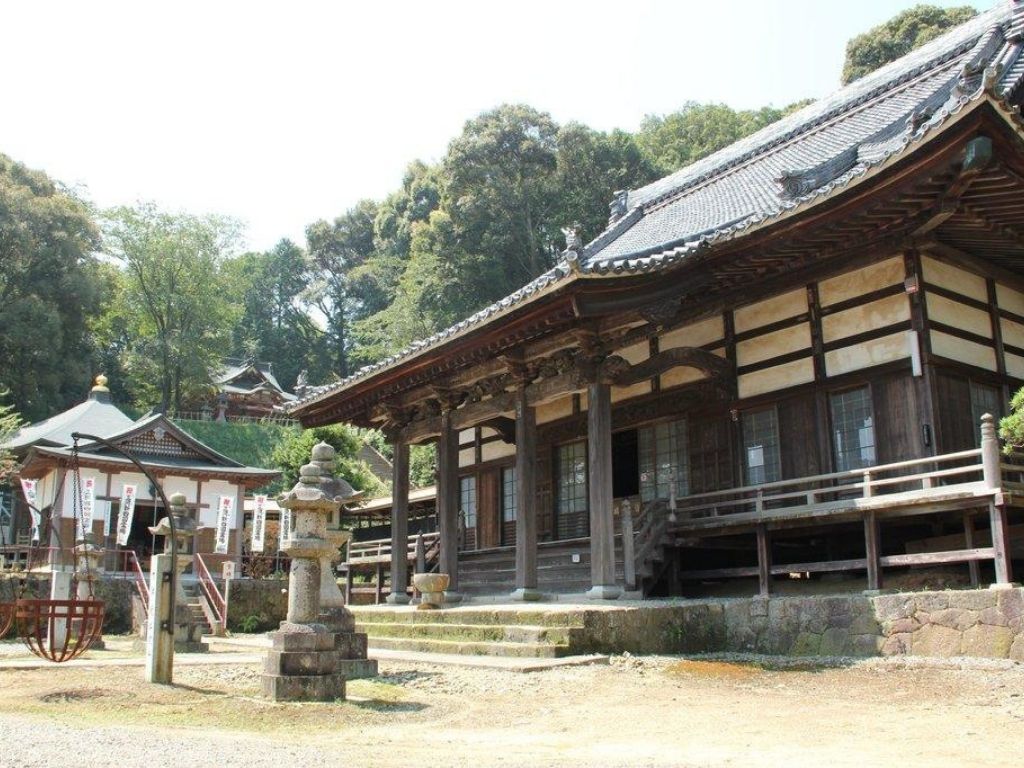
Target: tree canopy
[899,36]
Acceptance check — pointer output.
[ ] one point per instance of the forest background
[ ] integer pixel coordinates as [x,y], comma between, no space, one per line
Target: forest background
[157,299]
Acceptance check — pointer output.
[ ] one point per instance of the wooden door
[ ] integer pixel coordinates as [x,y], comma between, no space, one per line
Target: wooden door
[711,463]
[489,509]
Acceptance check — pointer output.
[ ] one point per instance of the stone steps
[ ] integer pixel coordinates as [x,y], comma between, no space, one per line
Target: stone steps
[472,648]
[490,633]
[368,615]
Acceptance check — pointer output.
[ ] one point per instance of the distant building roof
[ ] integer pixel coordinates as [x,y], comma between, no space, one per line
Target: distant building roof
[248,376]
[96,416]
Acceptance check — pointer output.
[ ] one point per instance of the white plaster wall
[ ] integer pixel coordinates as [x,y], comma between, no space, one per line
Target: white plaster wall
[181,485]
[942,310]
[954,279]
[779,377]
[1015,365]
[636,353]
[875,314]
[1009,298]
[771,310]
[497,450]
[625,393]
[466,436]
[1013,333]
[676,377]
[773,344]
[694,335]
[554,410]
[963,351]
[467,457]
[860,281]
[895,346]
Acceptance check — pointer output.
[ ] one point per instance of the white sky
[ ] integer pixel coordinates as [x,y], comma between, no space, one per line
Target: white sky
[283,113]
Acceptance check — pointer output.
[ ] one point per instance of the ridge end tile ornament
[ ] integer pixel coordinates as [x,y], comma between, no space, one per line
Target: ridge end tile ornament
[313,651]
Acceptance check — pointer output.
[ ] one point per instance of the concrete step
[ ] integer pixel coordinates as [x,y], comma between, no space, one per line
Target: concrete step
[367,615]
[470,648]
[490,633]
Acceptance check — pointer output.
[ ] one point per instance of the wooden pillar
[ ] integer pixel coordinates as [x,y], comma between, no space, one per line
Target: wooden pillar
[1000,543]
[526,500]
[764,561]
[448,503]
[969,544]
[871,549]
[400,523]
[599,469]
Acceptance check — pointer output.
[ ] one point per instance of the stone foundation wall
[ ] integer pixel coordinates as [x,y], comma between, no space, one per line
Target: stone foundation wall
[265,599]
[117,595]
[979,623]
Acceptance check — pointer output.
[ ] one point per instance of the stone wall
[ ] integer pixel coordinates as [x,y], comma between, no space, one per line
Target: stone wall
[985,622]
[265,599]
[981,623]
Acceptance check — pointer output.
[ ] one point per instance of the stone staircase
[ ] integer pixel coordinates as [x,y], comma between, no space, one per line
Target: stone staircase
[479,632]
[195,606]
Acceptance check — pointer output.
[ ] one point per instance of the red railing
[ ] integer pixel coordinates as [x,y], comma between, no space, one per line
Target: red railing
[210,590]
[141,586]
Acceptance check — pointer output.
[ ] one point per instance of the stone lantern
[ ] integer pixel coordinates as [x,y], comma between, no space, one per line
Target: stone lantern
[316,647]
[188,629]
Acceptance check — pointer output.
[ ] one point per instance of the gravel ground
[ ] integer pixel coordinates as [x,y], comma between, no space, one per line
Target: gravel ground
[665,711]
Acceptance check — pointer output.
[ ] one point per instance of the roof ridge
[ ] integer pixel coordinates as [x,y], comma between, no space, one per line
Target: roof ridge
[930,56]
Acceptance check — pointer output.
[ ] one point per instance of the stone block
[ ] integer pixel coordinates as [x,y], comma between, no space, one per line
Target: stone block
[759,606]
[936,640]
[892,607]
[1017,648]
[835,642]
[301,663]
[972,599]
[864,645]
[864,623]
[309,640]
[931,601]
[338,619]
[357,669]
[350,645]
[897,644]
[902,626]
[994,617]
[955,618]
[1010,602]
[304,687]
[987,641]
[806,644]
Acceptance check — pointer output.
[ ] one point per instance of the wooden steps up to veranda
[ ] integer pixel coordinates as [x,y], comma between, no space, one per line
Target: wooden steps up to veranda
[473,631]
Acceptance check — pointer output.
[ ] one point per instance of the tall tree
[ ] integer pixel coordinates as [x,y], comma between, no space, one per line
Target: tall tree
[678,139]
[10,423]
[174,299]
[336,249]
[899,36]
[275,325]
[48,290]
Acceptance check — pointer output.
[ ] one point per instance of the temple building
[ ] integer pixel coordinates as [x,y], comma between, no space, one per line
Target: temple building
[247,388]
[773,364]
[179,461]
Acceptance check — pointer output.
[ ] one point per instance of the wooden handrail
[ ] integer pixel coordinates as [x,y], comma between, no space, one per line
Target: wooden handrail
[214,598]
[140,580]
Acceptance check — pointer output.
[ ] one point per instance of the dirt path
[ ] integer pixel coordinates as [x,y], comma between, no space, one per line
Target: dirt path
[652,711]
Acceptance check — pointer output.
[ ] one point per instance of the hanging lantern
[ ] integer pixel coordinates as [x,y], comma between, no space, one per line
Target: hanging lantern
[6,618]
[63,629]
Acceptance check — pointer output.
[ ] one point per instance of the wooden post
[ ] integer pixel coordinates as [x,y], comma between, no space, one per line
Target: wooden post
[526,500]
[628,545]
[400,524]
[448,503]
[872,552]
[378,597]
[764,561]
[348,585]
[599,477]
[972,565]
[1000,540]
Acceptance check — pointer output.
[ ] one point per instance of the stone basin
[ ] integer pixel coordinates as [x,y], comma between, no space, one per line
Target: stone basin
[430,582]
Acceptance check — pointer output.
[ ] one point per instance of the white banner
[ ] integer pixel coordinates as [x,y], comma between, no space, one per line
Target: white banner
[88,507]
[259,524]
[286,527]
[28,487]
[125,514]
[108,521]
[227,503]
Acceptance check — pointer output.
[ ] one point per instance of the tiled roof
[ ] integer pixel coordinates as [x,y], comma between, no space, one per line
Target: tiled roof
[94,417]
[800,159]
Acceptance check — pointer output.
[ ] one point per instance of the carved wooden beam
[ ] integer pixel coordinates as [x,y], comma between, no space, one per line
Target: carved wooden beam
[977,157]
[690,357]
